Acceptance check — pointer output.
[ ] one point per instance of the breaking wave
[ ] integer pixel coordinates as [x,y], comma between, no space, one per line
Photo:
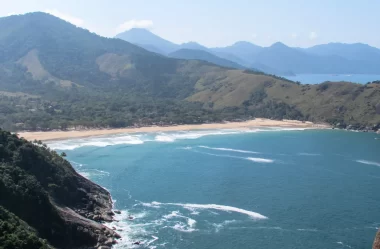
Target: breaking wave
[368,162]
[166,137]
[191,207]
[229,149]
[95,142]
[260,160]
[252,159]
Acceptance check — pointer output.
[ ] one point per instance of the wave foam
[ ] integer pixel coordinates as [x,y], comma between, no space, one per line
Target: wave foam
[229,149]
[180,226]
[307,230]
[95,142]
[342,244]
[103,141]
[220,226]
[368,162]
[163,138]
[252,159]
[260,160]
[190,206]
[129,233]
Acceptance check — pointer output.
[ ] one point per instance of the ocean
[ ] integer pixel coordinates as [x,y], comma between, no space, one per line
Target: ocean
[221,189]
[320,78]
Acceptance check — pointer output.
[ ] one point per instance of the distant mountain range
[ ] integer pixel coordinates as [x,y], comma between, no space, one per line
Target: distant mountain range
[192,54]
[332,58]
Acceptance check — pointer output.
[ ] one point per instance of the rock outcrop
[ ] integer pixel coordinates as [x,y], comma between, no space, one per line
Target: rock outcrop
[376,243]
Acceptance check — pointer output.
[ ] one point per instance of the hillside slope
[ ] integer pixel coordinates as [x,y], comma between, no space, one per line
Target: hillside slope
[44,191]
[66,76]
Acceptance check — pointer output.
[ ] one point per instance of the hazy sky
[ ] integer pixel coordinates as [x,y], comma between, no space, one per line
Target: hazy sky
[221,22]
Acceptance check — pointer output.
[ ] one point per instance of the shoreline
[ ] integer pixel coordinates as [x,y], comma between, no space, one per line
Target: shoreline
[255,123]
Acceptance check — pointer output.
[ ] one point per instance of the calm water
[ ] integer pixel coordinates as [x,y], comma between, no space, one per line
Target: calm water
[230,189]
[319,78]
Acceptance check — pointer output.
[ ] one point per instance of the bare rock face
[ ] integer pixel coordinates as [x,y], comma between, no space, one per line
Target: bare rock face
[376,244]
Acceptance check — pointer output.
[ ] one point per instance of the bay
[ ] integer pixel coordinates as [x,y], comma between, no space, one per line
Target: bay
[263,188]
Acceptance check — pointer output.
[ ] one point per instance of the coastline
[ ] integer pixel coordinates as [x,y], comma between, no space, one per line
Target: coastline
[259,122]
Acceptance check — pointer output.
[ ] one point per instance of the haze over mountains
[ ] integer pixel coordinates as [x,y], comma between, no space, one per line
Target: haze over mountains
[332,58]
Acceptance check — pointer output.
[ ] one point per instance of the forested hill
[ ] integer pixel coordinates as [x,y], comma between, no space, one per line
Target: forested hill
[45,203]
[54,75]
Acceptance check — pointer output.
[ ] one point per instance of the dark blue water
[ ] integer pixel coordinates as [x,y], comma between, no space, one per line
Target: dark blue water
[269,189]
[320,78]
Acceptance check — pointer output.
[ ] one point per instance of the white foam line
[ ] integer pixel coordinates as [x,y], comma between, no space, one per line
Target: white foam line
[103,141]
[344,245]
[307,230]
[251,214]
[253,159]
[368,162]
[229,149]
[153,240]
[260,160]
[95,142]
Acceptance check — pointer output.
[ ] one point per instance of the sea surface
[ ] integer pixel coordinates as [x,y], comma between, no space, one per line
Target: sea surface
[221,189]
[320,78]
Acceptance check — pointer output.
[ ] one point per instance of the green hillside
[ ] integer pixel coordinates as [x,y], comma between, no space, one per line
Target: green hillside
[54,75]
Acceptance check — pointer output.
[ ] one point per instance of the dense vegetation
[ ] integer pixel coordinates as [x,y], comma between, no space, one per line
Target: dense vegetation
[36,185]
[16,234]
[68,77]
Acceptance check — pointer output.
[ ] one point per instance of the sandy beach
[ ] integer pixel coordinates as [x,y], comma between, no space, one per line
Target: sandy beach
[62,135]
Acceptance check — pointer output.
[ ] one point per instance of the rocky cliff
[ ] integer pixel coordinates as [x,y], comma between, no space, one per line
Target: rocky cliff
[43,195]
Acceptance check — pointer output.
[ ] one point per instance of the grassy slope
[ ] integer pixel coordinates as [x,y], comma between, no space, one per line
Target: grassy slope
[352,103]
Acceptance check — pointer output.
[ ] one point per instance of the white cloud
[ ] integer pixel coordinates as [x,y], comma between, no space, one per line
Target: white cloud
[72,19]
[294,35]
[313,35]
[145,24]
[11,14]
[254,36]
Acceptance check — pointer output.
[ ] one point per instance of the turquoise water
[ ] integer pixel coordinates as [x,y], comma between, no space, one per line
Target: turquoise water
[320,78]
[236,189]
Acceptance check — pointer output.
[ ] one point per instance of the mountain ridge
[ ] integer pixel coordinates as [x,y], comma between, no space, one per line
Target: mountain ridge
[68,77]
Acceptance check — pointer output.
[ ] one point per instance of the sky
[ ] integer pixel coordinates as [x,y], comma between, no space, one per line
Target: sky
[217,23]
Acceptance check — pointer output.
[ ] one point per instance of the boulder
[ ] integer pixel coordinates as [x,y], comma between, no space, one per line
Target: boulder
[102,238]
[110,242]
[117,212]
